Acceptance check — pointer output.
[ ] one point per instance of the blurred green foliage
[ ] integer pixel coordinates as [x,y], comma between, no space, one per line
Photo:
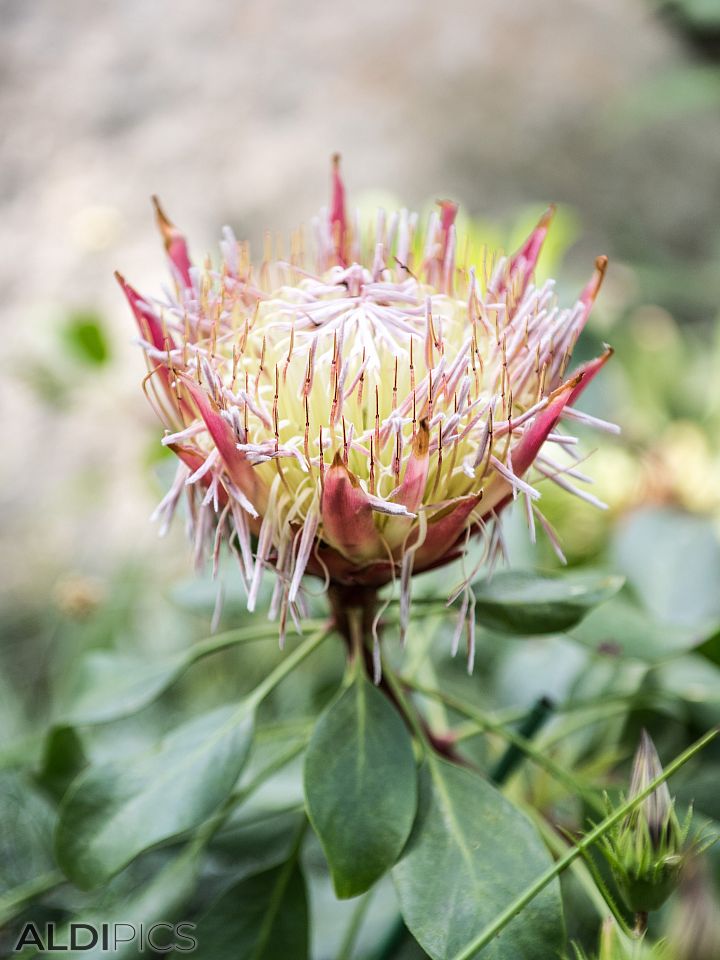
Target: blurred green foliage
[84,336]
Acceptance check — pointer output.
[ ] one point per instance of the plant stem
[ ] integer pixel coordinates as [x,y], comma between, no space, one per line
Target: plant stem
[263,631]
[347,947]
[221,641]
[510,912]
[396,936]
[491,725]
[597,893]
[354,610]
[509,761]
[287,665]
[216,822]
[406,709]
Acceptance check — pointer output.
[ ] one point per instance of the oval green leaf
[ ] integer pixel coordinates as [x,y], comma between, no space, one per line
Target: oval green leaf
[112,685]
[62,760]
[622,629]
[116,810]
[672,560]
[529,604]
[254,843]
[360,786]
[27,822]
[263,917]
[160,900]
[471,853]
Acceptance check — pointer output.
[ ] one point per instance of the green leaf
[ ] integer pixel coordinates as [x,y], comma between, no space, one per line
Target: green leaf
[529,604]
[360,786]
[699,791]
[85,338]
[622,629]
[63,759]
[263,917]
[159,901]
[247,846]
[672,559]
[27,821]
[112,685]
[692,678]
[14,902]
[470,854]
[116,810]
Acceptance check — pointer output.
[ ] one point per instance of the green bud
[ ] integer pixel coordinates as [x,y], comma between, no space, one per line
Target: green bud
[646,850]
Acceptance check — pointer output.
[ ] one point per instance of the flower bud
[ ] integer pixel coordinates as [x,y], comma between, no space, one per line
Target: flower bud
[646,849]
[695,923]
[610,946]
[614,946]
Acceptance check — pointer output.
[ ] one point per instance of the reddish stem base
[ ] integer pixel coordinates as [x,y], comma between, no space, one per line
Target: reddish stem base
[354,609]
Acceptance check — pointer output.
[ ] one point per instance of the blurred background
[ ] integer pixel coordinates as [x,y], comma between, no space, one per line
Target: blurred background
[230,112]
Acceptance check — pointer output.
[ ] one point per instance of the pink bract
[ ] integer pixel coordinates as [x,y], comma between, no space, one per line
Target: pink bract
[360,412]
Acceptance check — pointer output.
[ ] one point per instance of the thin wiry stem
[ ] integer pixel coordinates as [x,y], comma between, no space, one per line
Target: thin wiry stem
[489,724]
[509,913]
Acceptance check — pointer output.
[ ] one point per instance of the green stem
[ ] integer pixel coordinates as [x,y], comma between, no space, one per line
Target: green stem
[286,666]
[394,939]
[215,823]
[347,947]
[408,710]
[468,730]
[581,720]
[489,724]
[510,912]
[221,641]
[510,760]
[230,638]
[593,885]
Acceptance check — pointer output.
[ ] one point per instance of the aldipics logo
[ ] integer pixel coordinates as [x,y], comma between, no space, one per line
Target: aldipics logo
[160,937]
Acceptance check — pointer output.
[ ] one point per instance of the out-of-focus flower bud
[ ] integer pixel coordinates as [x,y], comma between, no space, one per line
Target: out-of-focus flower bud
[615,946]
[78,597]
[610,946]
[647,849]
[694,932]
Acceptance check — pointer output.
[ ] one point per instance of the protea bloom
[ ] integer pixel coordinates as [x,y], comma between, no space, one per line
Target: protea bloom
[360,413]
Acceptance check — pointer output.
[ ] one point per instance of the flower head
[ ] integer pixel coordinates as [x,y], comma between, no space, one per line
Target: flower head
[358,414]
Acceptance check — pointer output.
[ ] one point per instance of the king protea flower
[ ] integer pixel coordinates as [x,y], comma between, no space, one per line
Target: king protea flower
[359,413]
